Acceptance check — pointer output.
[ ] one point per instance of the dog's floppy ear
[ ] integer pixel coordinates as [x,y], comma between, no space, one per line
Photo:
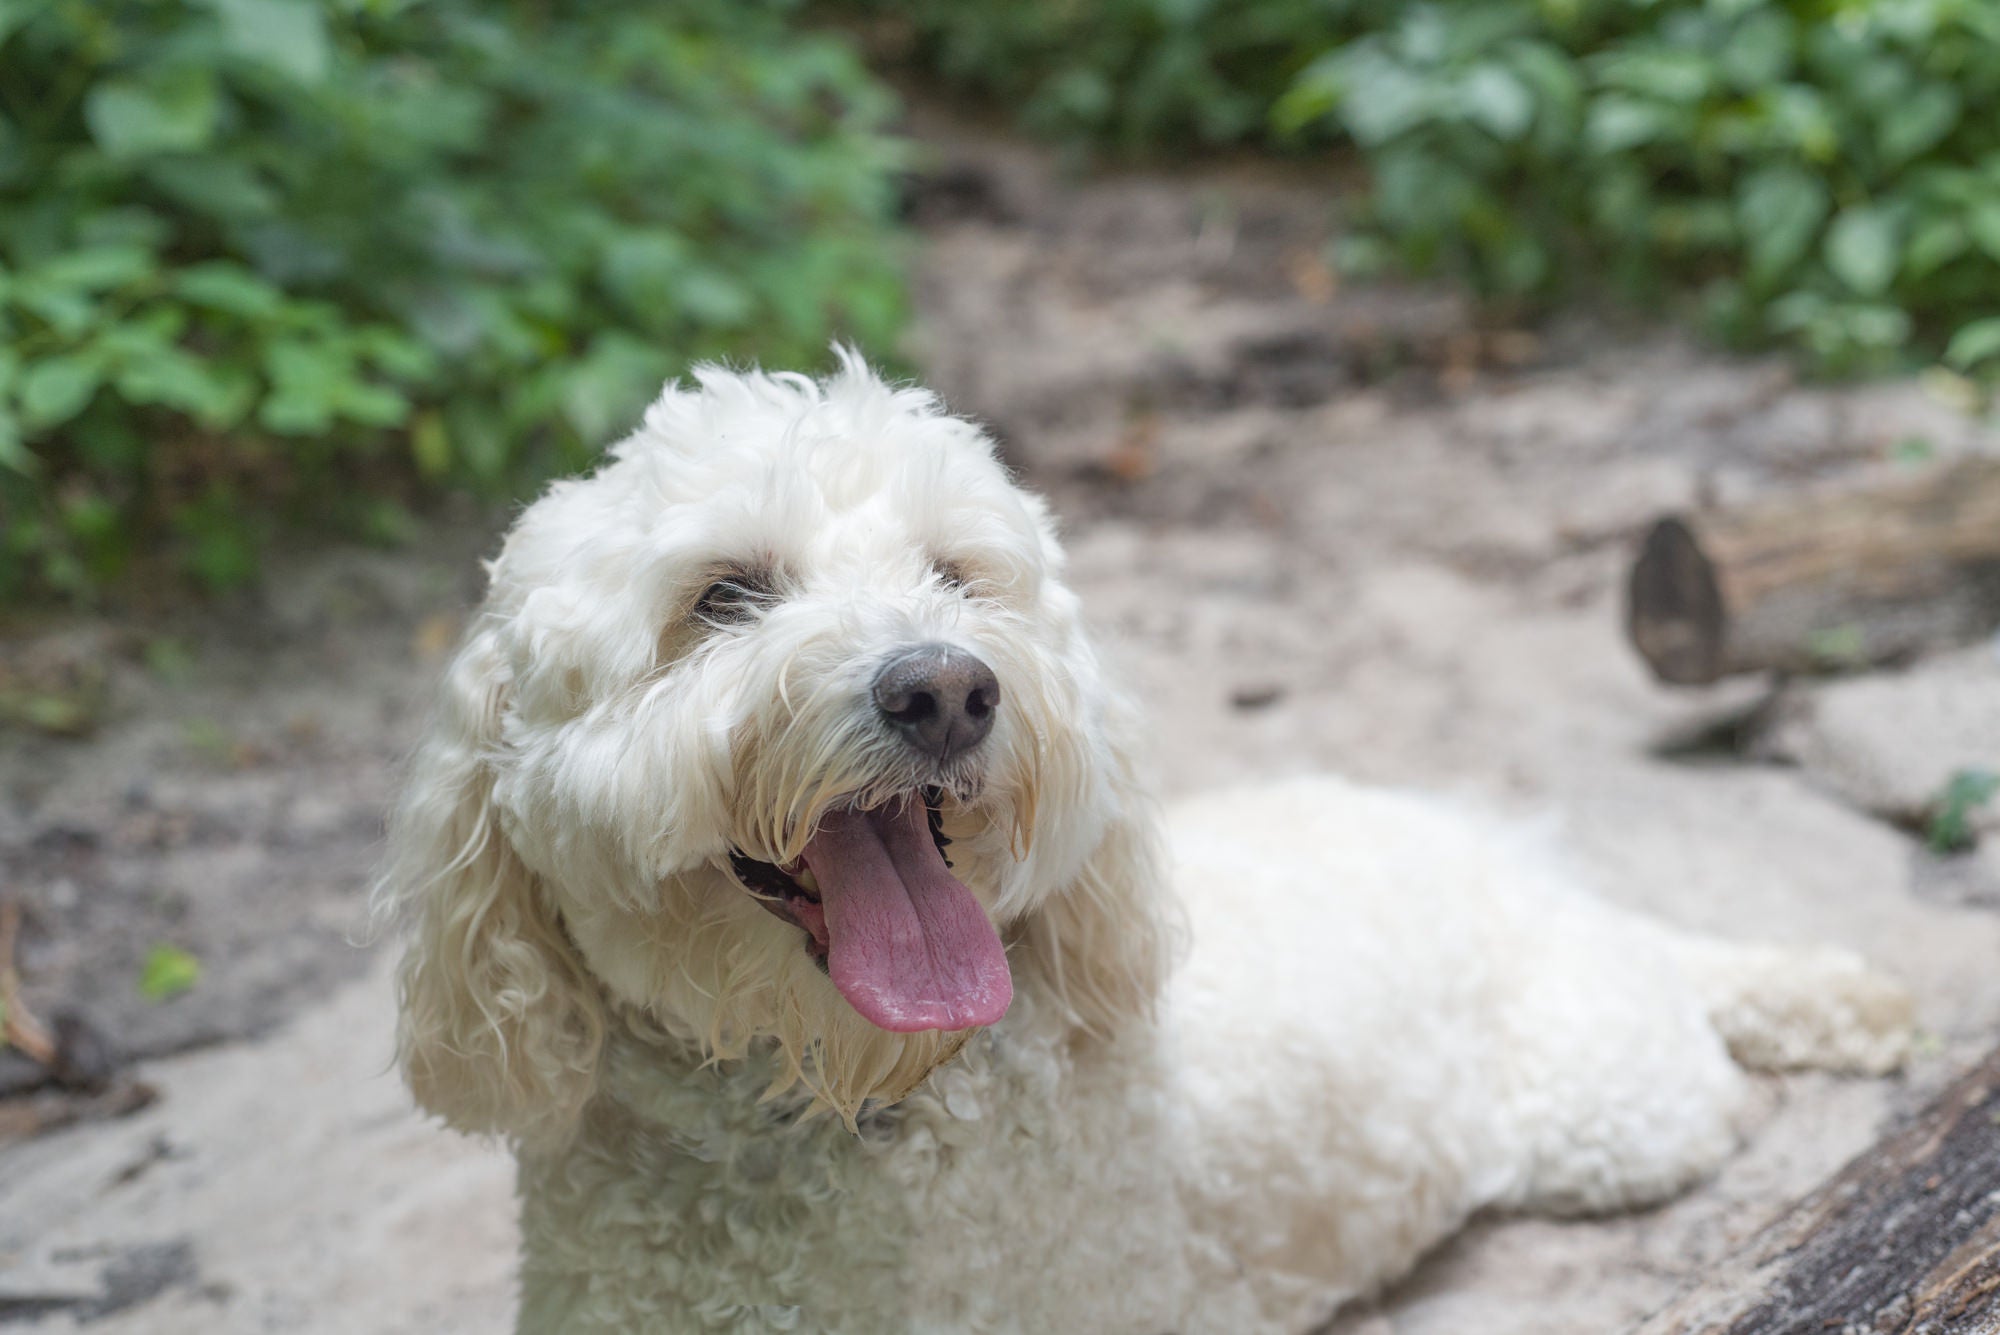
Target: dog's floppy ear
[500,1024]
[1106,942]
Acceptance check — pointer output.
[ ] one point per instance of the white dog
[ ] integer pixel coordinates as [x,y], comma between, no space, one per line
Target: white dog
[781,882]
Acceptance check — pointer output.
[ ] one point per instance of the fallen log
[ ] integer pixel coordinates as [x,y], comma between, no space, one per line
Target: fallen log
[1906,1239]
[1830,579]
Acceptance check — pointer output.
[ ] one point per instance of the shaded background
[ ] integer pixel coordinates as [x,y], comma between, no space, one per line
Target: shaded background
[1356,344]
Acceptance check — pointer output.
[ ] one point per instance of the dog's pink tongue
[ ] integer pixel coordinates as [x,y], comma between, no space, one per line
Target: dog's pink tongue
[907,945]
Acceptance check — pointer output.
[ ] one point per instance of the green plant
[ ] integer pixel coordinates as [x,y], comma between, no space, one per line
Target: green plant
[265,261]
[1820,168]
[1951,815]
[167,972]
[1135,73]
[1823,173]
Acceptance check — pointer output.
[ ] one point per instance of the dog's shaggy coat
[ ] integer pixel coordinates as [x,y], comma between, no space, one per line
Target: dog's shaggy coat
[1246,1074]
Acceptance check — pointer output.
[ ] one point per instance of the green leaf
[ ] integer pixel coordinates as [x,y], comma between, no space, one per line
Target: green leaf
[710,296]
[1780,209]
[1863,248]
[371,405]
[168,972]
[395,353]
[172,378]
[1936,242]
[307,381]
[1951,814]
[214,187]
[295,412]
[287,35]
[1974,343]
[128,225]
[1874,325]
[1914,124]
[1983,222]
[1800,115]
[1494,98]
[1842,646]
[1912,451]
[137,338]
[1385,101]
[66,310]
[1617,123]
[430,445]
[96,269]
[56,389]
[1313,96]
[609,388]
[1657,73]
[221,285]
[56,713]
[640,269]
[1760,52]
[13,14]
[171,113]
[1557,85]
[15,456]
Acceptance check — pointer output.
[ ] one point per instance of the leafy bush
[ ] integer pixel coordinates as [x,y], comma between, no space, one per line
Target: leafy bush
[1951,829]
[1133,73]
[265,259]
[1824,172]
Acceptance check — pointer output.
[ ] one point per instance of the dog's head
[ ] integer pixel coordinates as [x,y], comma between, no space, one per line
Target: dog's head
[781,729]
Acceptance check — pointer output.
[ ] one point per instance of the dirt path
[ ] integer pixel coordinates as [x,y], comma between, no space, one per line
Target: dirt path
[1323,528]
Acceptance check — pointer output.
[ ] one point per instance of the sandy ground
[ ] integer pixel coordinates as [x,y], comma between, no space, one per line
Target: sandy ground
[1319,527]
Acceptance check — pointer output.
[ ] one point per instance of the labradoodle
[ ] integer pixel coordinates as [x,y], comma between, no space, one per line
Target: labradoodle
[780,879]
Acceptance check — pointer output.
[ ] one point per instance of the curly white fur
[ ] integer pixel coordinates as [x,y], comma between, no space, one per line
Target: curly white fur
[1394,1012]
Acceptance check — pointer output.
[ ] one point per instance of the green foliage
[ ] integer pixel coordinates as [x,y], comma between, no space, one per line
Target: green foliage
[1824,173]
[1951,815]
[167,972]
[1136,73]
[270,260]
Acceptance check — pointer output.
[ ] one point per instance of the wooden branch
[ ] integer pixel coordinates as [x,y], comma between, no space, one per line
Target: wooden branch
[1905,1239]
[1842,578]
[18,1025]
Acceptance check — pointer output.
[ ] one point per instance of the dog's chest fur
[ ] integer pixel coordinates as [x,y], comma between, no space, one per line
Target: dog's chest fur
[688,1203]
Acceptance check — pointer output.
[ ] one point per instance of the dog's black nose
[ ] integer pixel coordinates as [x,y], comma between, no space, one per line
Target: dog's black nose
[939,698]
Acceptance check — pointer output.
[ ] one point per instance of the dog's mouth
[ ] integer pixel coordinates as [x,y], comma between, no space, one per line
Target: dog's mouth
[902,938]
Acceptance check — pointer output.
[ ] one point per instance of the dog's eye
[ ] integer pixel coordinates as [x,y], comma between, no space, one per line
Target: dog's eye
[733,601]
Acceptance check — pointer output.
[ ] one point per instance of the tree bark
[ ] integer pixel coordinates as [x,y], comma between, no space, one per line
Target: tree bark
[1904,1239]
[1844,578]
